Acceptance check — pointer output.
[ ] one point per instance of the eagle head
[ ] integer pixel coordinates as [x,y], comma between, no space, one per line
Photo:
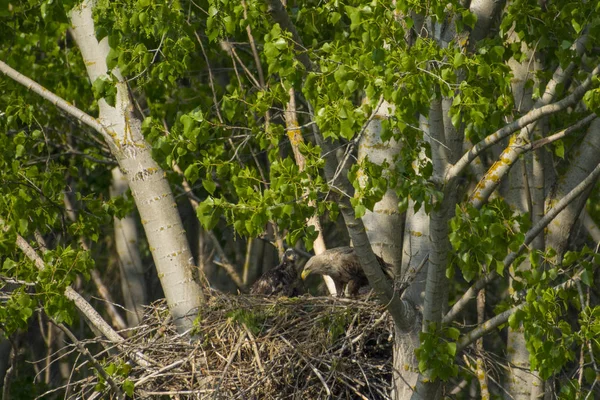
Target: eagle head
[290,255]
[312,266]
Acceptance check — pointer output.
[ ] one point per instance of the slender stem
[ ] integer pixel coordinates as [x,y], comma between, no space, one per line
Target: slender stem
[531,234]
[520,123]
[56,100]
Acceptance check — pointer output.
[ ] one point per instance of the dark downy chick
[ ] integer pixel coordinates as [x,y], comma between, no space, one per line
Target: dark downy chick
[281,280]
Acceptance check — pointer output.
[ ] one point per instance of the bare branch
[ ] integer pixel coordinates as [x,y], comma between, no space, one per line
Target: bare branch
[559,135]
[82,305]
[56,100]
[520,123]
[531,234]
[502,318]
[113,385]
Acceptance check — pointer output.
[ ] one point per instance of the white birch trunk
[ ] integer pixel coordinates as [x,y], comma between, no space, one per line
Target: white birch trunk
[384,224]
[585,158]
[133,284]
[147,181]
[521,384]
[385,229]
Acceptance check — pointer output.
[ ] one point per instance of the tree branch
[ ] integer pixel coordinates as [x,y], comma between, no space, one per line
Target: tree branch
[402,312]
[56,100]
[82,305]
[97,366]
[531,234]
[280,15]
[520,123]
[559,135]
[492,323]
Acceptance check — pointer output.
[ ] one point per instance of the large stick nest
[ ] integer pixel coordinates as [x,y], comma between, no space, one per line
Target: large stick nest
[250,347]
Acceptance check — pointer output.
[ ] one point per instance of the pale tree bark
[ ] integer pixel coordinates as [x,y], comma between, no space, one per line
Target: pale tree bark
[416,247]
[385,224]
[520,382]
[149,187]
[385,229]
[585,158]
[486,11]
[436,285]
[590,226]
[521,142]
[526,195]
[402,312]
[133,284]
[480,369]
[295,136]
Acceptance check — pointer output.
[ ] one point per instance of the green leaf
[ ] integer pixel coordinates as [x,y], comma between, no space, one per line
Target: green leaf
[192,173]
[208,213]
[111,369]
[351,86]
[483,71]
[559,149]
[590,375]
[451,348]
[280,44]
[128,387]
[570,257]
[587,278]
[459,60]
[496,229]
[212,11]
[469,18]
[499,267]
[453,333]
[359,210]
[340,74]
[334,17]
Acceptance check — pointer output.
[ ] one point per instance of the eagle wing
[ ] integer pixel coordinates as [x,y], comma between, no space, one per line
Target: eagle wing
[280,280]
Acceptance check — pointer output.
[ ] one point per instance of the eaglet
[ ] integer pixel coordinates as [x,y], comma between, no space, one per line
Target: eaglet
[281,280]
[343,266]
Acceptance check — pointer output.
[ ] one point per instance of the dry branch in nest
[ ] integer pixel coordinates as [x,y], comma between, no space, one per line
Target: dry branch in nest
[250,347]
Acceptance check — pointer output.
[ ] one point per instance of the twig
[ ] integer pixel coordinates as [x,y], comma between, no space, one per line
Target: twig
[116,389]
[210,78]
[86,309]
[502,318]
[254,348]
[531,234]
[229,361]
[312,367]
[56,100]
[160,371]
[559,135]
[520,123]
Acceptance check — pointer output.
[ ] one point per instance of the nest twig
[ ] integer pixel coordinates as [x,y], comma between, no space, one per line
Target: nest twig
[250,347]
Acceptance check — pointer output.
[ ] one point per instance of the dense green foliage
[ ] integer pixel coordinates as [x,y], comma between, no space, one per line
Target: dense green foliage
[211,81]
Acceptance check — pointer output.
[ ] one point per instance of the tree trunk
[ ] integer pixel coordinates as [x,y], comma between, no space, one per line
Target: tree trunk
[133,284]
[149,187]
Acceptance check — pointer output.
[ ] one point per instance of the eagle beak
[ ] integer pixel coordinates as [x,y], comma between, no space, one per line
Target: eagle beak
[305,273]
